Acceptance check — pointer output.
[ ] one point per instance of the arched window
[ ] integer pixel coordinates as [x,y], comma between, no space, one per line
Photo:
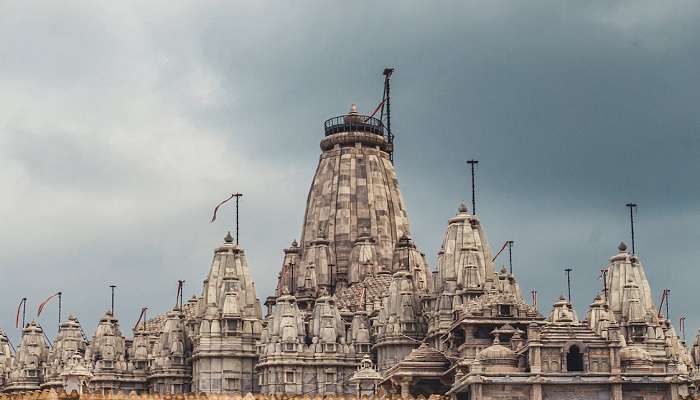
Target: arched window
[574,359]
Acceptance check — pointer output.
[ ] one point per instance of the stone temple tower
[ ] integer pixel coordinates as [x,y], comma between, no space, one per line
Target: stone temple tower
[355,213]
[229,317]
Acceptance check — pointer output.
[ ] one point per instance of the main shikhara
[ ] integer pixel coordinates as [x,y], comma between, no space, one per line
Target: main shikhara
[357,309]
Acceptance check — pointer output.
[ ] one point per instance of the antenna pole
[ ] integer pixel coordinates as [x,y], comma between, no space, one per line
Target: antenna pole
[681,324]
[668,297]
[632,206]
[59,308]
[182,290]
[473,163]
[291,285]
[24,312]
[112,287]
[568,281]
[178,295]
[605,283]
[387,96]
[534,298]
[238,197]
[510,255]
[331,267]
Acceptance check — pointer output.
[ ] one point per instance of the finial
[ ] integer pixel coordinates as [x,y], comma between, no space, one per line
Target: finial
[622,247]
[228,238]
[295,243]
[496,339]
[353,109]
[504,270]
[463,208]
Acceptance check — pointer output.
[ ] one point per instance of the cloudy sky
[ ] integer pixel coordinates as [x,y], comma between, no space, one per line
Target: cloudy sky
[122,124]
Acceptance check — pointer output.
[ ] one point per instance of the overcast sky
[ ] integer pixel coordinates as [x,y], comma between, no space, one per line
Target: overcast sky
[122,124]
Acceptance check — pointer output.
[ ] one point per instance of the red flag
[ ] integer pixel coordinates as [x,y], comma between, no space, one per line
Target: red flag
[501,250]
[213,218]
[378,108]
[41,306]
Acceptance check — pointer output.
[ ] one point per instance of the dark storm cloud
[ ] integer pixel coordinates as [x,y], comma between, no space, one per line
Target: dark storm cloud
[121,125]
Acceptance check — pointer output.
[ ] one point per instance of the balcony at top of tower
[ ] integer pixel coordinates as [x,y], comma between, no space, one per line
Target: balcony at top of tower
[352,128]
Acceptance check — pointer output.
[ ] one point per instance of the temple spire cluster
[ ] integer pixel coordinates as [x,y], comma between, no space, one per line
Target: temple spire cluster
[358,309]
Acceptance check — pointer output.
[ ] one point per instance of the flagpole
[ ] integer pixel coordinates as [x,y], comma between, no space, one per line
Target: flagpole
[238,197]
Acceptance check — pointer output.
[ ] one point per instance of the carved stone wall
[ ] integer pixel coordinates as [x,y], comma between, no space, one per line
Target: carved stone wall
[575,392]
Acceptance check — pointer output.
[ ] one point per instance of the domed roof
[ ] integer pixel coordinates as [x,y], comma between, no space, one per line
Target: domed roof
[497,354]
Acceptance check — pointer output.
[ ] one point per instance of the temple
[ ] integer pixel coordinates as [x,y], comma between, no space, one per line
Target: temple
[358,309]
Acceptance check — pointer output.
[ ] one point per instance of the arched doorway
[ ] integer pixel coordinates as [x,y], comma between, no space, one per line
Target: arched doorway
[574,359]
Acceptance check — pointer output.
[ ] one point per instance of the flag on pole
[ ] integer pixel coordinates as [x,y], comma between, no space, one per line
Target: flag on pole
[19,307]
[501,250]
[43,304]
[216,209]
[143,311]
[380,106]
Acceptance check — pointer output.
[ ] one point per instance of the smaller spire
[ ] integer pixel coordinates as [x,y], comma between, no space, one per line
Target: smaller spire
[228,238]
[622,247]
[463,208]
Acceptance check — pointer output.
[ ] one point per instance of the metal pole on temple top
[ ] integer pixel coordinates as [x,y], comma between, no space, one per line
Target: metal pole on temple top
[331,266]
[23,306]
[681,325]
[568,281]
[632,207]
[238,197]
[60,294]
[292,283]
[112,287]
[510,255]
[473,164]
[182,292]
[604,274]
[178,294]
[387,97]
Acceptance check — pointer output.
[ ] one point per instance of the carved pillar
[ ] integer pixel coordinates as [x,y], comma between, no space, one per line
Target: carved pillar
[674,392]
[616,391]
[476,391]
[614,346]
[406,388]
[535,358]
[536,392]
